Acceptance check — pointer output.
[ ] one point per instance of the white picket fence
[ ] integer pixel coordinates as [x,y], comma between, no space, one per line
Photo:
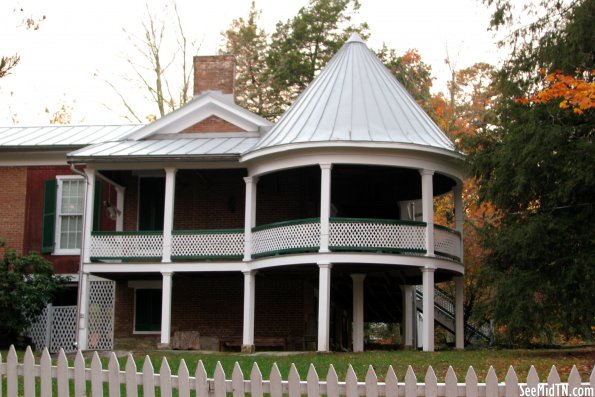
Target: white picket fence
[95,377]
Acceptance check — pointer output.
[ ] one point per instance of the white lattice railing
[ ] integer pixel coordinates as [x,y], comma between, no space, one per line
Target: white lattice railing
[126,245]
[205,244]
[447,242]
[377,235]
[285,237]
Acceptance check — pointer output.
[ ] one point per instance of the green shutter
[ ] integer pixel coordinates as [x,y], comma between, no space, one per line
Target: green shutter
[49,216]
[97,205]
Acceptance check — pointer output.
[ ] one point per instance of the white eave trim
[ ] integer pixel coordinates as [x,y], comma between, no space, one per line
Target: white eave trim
[250,155]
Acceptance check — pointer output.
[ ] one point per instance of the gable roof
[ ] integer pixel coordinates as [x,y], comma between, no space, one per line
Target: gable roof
[57,136]
[209,103]
[354,99]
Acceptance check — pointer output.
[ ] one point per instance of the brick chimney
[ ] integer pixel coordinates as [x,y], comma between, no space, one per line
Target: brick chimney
[214,73]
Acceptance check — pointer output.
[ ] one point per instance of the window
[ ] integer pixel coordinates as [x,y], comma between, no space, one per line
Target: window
[69,214]
[147,311]
[63,207]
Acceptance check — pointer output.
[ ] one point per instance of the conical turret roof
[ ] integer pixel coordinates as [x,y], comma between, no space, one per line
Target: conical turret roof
[355,99]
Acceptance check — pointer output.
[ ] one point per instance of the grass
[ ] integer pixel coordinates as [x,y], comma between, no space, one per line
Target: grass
[564,358]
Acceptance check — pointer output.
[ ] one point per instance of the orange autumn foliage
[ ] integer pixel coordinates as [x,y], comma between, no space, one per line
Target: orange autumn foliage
[576,94]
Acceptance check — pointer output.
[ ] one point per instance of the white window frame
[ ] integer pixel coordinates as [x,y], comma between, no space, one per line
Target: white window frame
[58,223]
[143,284]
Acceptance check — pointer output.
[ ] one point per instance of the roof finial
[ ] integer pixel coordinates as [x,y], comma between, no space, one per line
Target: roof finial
[355,38]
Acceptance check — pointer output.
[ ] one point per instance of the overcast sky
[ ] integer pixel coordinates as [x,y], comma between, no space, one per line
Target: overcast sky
[81,44]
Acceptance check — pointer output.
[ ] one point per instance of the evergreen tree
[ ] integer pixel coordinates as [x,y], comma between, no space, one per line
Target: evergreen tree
[537,166]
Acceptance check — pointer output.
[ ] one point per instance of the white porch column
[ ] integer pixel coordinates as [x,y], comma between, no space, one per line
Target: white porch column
[166,310]
[324,305]
[428,308]
[249,293]
[325,206]
[408,311]
[83,329]
[168,213]
[459,313]
[358,312]
[427,198]
[88,218]
[120,191]
[249,215]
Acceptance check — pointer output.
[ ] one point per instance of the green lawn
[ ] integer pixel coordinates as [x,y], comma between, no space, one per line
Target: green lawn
[521,359]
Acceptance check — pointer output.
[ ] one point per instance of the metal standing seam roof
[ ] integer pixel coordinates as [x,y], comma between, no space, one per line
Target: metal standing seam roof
[185,147]
[355,99]
[63,135]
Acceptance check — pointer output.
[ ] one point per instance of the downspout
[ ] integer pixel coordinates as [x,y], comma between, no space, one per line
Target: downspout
[79,291]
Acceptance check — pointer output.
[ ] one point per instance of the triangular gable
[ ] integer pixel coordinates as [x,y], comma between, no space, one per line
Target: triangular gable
[213,124]
[210,109]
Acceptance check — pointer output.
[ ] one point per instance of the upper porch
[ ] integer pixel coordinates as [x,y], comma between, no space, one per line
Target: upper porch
[212,215]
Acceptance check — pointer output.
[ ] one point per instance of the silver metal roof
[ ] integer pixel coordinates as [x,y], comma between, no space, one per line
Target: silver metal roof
[355,99]
[63,135]
[152,148]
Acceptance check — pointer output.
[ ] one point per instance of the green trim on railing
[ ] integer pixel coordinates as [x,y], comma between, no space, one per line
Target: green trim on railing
[285,251]
[207,257]
[212,231]
[373,220]
[126,258]
[285,223]
[449,256]
[447,229]
[376,249]
[129,233]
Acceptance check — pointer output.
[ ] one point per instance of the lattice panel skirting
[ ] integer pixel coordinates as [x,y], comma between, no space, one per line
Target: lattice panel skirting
[55,328]
[371,235]
[41,328]
[126,246]
[208,245]
[63,328]
[100,315]
[286,238]
[448,243]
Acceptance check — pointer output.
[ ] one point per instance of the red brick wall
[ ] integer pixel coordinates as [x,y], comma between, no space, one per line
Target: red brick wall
[215,199]
[212,303]
[36,176]
[214,73]
[13,191]
[209,199]
[213,124]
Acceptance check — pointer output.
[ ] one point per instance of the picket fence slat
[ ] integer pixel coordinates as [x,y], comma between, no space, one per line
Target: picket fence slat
[219,380]
[80,384]
[45,374]
[276,384]
[512,383]
[371,383]
[12,385]
[183,380]
[112,379]
[28,375]
[391,383]
[471,389]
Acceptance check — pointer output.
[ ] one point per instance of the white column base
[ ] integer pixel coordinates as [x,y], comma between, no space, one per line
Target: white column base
[428,309]
[324,306]
[408,313]
[166,311]
[249,294]
[358,312]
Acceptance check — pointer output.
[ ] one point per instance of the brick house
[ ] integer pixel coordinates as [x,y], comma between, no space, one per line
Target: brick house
[289,236]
